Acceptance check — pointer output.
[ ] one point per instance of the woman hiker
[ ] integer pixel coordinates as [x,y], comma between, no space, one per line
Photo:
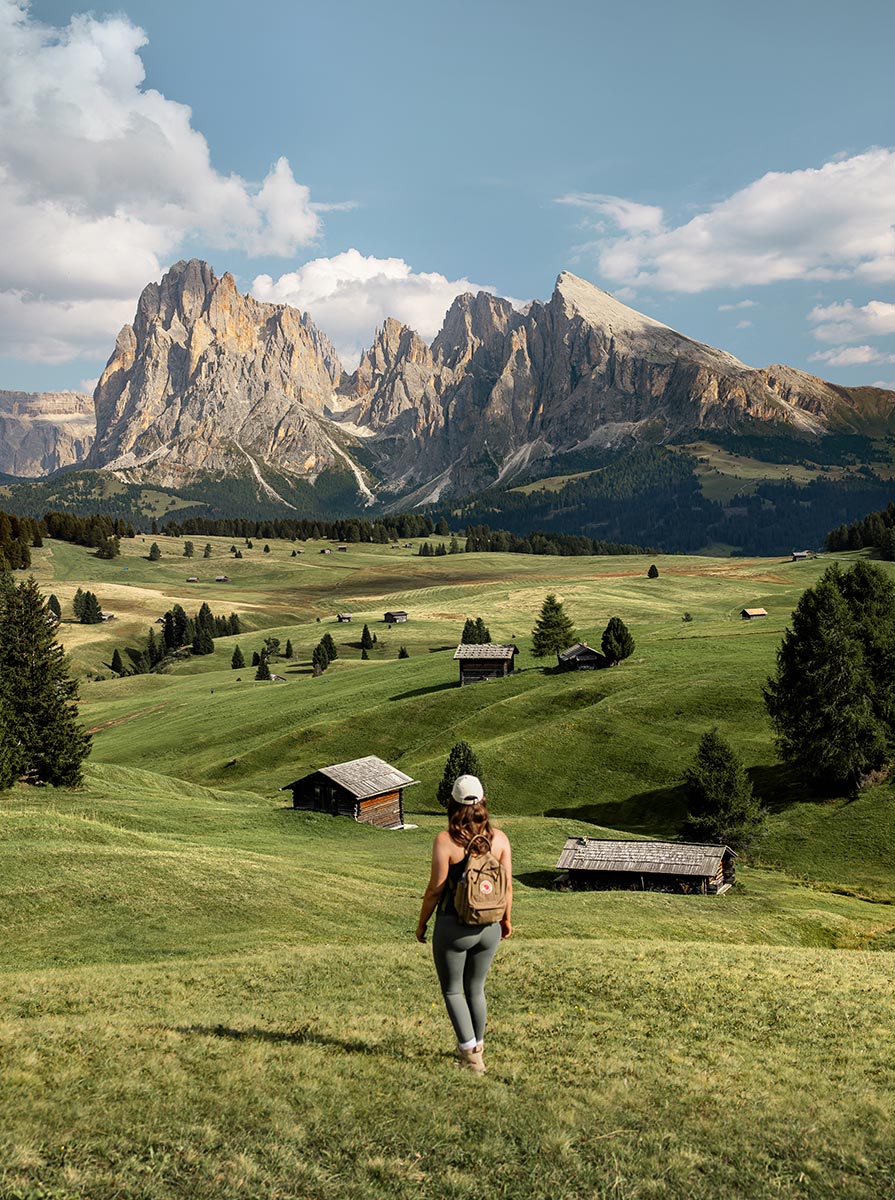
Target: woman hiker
[462,952]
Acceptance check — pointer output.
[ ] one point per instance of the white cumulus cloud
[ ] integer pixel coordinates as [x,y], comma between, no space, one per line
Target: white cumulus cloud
[836,221]
[849,323]
[350,294]
[734,307]
[102,180]
[852,356]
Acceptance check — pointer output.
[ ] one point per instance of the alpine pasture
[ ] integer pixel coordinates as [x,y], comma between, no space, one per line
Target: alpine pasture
[207,994]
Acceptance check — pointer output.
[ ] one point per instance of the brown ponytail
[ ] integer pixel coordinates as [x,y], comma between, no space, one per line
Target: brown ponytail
[466,821]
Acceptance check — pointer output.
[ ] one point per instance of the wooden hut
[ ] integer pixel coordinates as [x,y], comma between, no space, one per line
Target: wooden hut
[343,618]
[491,661]
[752,614]
[689,867]
[581,657]
[395,618]
[367,789]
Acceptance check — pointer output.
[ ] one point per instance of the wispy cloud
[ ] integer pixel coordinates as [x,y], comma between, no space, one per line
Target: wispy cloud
[735,307]
[836,221]
[852,356]
[849,323]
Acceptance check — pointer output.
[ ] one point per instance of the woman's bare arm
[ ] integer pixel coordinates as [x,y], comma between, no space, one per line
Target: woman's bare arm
[437,880]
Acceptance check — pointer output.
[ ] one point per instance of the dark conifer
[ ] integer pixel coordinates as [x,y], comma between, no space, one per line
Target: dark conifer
[462,760]
[330,646]
[78,604]
[617,642]
[366,641]
[287,653]
[263,671]
[365,654]
[154,552]
[237,662]
[403,652]
[117,664]
[55,607]
[653,572]
[203,642]
[720,804]
[553,631]
[91,613]
[35,685]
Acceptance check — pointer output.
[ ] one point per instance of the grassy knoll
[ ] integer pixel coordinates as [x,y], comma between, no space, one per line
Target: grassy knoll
[205,993]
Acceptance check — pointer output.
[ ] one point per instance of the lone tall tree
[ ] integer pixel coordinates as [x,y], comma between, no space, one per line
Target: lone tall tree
[10,751]
[237,662]
[617,642]
[553,631]
[35,687]
[462,760]
[366,641]
[832,699]
[720,803]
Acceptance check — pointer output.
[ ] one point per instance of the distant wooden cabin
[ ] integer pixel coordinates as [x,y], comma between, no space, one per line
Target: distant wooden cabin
[326,550]
[801,555]
[343,618]
[222,578]
[342,549]
[192,578]
[753,614]
[107,616]
[367,789]
[581,657]
[395,618]
[491,661]
[688,867]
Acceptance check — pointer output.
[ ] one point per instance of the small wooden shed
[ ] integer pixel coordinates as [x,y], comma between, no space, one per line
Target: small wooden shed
[491,661]
[395,618]
[367,789]
[752,614]
[582,657]
[688,867]
[343,618]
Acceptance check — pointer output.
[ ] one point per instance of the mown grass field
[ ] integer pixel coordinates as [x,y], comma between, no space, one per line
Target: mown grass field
[205,993]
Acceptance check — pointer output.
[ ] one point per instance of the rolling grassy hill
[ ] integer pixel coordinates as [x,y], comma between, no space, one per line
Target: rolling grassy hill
[208,994]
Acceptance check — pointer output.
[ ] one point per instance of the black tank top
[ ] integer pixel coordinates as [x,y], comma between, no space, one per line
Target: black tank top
[455,874]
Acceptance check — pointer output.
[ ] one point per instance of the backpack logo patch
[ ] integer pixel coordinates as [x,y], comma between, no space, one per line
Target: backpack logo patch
[486,887]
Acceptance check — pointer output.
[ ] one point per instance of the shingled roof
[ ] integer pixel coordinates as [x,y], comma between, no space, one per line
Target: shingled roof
[365,777]
[489,650]
[646,857]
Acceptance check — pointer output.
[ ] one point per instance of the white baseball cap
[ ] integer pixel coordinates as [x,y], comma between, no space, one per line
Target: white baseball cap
[467,789]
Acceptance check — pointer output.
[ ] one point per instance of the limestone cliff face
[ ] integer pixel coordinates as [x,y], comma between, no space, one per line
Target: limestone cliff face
[43,431]
[207,379]
[502,389]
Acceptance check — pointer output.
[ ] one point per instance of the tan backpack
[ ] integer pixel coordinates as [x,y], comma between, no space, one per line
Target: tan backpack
[480,896]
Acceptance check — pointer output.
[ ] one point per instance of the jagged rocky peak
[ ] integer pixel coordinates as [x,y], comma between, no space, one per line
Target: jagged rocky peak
[43,431]
[473,321]
[209,379]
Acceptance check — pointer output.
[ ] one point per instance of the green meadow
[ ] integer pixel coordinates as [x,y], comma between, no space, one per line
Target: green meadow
[204,993]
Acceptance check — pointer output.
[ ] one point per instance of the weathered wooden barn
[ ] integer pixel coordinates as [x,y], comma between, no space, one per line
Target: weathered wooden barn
[343,618]
[688,867]
[581,657]
[395,618]
[367,789]
[491,661]
[753,614]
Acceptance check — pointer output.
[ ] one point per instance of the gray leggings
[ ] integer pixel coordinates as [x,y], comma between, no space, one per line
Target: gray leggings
[463,955]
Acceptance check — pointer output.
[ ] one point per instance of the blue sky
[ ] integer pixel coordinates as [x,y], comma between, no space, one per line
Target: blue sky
[728,169]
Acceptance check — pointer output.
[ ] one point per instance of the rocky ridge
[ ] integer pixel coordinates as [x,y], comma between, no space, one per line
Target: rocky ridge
[43,431]
[207,381]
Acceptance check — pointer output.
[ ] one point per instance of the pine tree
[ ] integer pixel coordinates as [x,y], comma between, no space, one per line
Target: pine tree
[553,631]
[461,760]
[469,637]
[653,572]
[319,659]
[154,552]
[206,553]
[256,658]
[267,549]
[454,547]
[263,671]
[720,804]
[188,549]
[366,641]
[271,647]
[35,685]
[403,652]
[117,664]
[91,613]
[330,646]
[203,642]
[233,625]
[78,604]
[288,653]
[237,662]
[617,642]
[155,648]
[55,607]
[483,633]
[10,750]
[108,548]
[832,699]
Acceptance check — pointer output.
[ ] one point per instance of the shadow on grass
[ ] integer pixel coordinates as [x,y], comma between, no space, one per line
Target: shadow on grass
[303,1035]
[657,813]
[538,879]
[426,691]
[777,785]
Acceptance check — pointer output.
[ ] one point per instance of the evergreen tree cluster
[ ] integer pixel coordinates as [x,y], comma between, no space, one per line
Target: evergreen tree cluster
[94,531]
[876,530]
[348,530]
[427,550]
[721,807]
[553,631]
[832,698]
[40,735]
[178,632]
[324,653]
[617,643]
[17,536]
[87,608]
[475,633]
[482,538]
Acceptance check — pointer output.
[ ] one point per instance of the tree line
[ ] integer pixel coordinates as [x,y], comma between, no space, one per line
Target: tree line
[877,529]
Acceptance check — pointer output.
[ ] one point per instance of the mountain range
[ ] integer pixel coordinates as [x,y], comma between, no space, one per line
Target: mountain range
[208,385]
